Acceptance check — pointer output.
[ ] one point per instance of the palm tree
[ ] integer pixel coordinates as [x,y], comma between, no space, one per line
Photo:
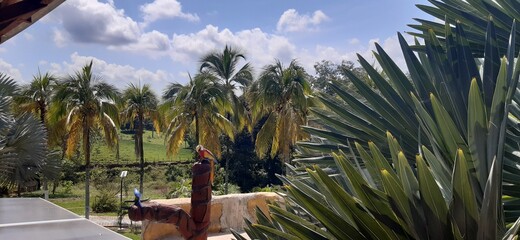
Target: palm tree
[89,104]
[224,67]
[140,104]
[36,97]
[201,103]
[280,97]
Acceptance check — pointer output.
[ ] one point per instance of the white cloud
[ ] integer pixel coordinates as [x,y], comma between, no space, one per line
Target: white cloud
[118,75]
[354,41]
[261,48]
[101,22]
[390,45]
[153,44]
[59,38]
[292,21]
[97,22]
[12,72]
[184,75]
[161,9]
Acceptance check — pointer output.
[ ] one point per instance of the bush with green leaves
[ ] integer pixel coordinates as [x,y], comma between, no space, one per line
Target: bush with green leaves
[105,201]
[219,184]
[450,172]
[177,172]
[245,168]
[66,187]
[180,189]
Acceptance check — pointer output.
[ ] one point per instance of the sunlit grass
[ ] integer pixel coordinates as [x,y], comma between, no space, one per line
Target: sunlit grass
[154,150]
[75,205]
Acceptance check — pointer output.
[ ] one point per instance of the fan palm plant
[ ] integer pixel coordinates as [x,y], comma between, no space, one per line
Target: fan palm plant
[461,122]
[280,95]
[89,104]
[436,76]
[473,15]
[201,104]
[140,104]
[23,141]
[384,201]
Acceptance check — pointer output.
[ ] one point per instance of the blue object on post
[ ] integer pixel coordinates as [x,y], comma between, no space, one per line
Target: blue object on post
[137,200]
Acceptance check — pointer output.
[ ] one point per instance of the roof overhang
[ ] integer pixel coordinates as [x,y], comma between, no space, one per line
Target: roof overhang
[17,15]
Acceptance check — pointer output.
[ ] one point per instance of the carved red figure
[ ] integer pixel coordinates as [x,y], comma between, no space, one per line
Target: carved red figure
[193,225]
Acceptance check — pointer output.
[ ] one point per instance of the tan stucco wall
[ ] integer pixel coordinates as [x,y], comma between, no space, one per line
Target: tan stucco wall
[227,212]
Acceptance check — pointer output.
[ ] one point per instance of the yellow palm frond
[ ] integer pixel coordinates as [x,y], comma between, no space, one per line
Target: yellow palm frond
[27,107]
[57,131]
[75,130]
[110,130]
[175,136]
[209,136]
[111,110]
[73,113]
[278,129]
[157,120]
[264,137]
[225,126]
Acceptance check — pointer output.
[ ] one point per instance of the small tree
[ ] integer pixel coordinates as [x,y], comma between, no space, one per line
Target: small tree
[140,104]
[200,104]
[280,94]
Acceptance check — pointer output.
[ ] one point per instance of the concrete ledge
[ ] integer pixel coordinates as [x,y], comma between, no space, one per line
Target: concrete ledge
[227,212]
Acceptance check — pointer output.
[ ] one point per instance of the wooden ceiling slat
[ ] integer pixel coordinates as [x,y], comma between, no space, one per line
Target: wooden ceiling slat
[18,9]
[12,26]
[16,15]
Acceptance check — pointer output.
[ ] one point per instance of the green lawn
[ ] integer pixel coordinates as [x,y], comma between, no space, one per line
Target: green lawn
[154,150]
[75,205]
[133,236]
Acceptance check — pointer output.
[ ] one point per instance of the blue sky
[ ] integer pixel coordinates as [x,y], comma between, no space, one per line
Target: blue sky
[160,41]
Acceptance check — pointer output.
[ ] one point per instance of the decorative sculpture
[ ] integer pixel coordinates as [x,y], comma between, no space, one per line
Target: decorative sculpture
[195,224]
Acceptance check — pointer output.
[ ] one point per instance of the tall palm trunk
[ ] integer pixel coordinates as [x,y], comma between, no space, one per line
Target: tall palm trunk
[86,144]
[197,129]
[229,88]
[140,147]
[43,111]
[42,119]
[226,173]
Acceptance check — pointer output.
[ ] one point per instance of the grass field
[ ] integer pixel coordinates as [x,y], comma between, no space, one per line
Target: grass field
[154,150]
[75,205]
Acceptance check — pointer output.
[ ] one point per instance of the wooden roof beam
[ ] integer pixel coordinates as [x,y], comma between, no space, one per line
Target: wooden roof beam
[14,11]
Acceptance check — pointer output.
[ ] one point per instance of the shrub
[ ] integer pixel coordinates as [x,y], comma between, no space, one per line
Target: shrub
[104,179]
[275,188]
[67,187]
[180,189]
[104,202]
[178,172]
[245,168]
[69,172]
